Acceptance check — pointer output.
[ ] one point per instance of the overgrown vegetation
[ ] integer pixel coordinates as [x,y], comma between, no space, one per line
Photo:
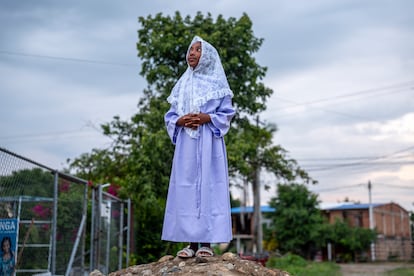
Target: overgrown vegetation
[297,223]
[298,226]
[34,190]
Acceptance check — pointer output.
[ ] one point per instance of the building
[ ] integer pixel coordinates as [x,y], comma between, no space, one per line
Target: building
[243,226]
[391,222]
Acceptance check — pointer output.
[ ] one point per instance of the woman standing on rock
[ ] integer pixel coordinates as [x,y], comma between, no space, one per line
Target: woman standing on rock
[198,202]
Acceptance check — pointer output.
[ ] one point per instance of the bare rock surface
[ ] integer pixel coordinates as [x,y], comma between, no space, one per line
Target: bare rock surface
[228,264]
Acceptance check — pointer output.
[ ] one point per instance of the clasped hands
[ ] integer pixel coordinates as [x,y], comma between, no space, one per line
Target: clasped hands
[193,121]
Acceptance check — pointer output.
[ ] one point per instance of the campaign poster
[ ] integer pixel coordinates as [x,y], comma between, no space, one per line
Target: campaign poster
[8,238]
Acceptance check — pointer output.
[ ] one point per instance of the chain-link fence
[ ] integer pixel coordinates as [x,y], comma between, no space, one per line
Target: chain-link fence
[51,209]
[108,231]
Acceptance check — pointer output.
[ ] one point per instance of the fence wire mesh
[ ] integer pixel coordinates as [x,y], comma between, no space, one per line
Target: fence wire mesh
[49,207]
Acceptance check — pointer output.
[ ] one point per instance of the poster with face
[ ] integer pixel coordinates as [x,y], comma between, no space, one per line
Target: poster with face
[8,238]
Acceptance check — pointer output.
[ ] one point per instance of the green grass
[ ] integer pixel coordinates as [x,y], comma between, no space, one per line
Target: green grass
[401,272]
[297,266]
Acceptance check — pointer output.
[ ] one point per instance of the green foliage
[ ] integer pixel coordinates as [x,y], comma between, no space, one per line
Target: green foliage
[297,266]
[299,227]
[69,217]
[163,45]
[37,186]
[287,260]
[297,223]
[351,240]
[234,202]
[140,156]
[27,182]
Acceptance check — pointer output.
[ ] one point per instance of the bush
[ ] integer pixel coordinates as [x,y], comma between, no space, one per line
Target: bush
[287,260]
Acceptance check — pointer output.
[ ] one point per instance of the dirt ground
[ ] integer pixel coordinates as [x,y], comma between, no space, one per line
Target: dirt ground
[228,264]
[231,265]
[371,269]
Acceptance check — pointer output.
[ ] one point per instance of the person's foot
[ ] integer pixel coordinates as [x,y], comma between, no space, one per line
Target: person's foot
[185,253]
[204,252]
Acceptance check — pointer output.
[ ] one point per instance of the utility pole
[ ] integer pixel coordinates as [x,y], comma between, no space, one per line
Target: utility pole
[371,220]
[257,208]
[258,213]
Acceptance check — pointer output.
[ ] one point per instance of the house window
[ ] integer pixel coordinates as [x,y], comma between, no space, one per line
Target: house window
[345,215]
[358,220]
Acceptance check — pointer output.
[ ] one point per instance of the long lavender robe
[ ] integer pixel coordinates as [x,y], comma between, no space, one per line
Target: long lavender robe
[198,202]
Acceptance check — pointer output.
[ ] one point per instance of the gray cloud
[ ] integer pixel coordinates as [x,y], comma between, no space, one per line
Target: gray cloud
[66,67]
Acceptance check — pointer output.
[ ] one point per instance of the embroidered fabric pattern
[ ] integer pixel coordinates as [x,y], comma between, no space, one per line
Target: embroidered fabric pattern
[197,86]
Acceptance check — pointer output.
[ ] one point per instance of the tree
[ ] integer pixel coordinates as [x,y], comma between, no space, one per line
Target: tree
[27,182]
[33,191]
[412,225]
[297,223]
[162,47]
[139,159]
[298,226]
[350,240]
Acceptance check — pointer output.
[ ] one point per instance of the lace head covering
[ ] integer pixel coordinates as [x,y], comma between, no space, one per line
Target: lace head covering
[198,85]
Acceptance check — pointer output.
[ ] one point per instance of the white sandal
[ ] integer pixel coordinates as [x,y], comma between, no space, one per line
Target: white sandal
[204,252]
[185,253]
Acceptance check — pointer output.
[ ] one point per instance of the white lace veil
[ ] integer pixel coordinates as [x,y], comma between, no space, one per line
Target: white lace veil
[197,86]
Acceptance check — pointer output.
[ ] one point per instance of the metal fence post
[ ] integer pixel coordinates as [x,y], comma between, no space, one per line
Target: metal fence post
[54,221]
[121,236]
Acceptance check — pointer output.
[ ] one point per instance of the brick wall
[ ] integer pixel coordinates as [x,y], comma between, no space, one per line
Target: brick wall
[392,224]
[391,220]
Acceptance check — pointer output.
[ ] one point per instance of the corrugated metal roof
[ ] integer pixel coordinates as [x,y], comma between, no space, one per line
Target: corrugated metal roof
[353,206]
[249,209]
[339,206]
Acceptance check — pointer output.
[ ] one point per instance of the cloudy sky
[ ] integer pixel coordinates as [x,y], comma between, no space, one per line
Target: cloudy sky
[342,73]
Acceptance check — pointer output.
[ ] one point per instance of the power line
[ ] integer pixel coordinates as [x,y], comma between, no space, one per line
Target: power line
[407,86]
[404,86]
[396,186]
[326,110]
[354,166]
[338,188]
[357,165]
[346,158]
[366,157]
[10,53]
[41,134]
[397,152]
[55,138]
[49,135]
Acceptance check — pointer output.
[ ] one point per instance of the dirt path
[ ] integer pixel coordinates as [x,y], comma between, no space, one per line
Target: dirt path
[376,269]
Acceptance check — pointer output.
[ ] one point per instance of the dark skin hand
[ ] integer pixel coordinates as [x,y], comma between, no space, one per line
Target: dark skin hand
[193,121]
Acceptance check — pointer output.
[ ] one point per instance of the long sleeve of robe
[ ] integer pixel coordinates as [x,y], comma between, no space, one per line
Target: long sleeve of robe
[198,201]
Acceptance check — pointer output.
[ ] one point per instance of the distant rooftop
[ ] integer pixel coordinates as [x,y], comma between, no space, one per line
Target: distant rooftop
[337,206]
[249,209]
[351,206]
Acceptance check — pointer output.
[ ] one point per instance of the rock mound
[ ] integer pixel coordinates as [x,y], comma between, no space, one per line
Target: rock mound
[228,264]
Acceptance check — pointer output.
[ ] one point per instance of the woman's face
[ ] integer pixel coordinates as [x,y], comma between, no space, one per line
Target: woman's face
[194,54]
[6,246]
